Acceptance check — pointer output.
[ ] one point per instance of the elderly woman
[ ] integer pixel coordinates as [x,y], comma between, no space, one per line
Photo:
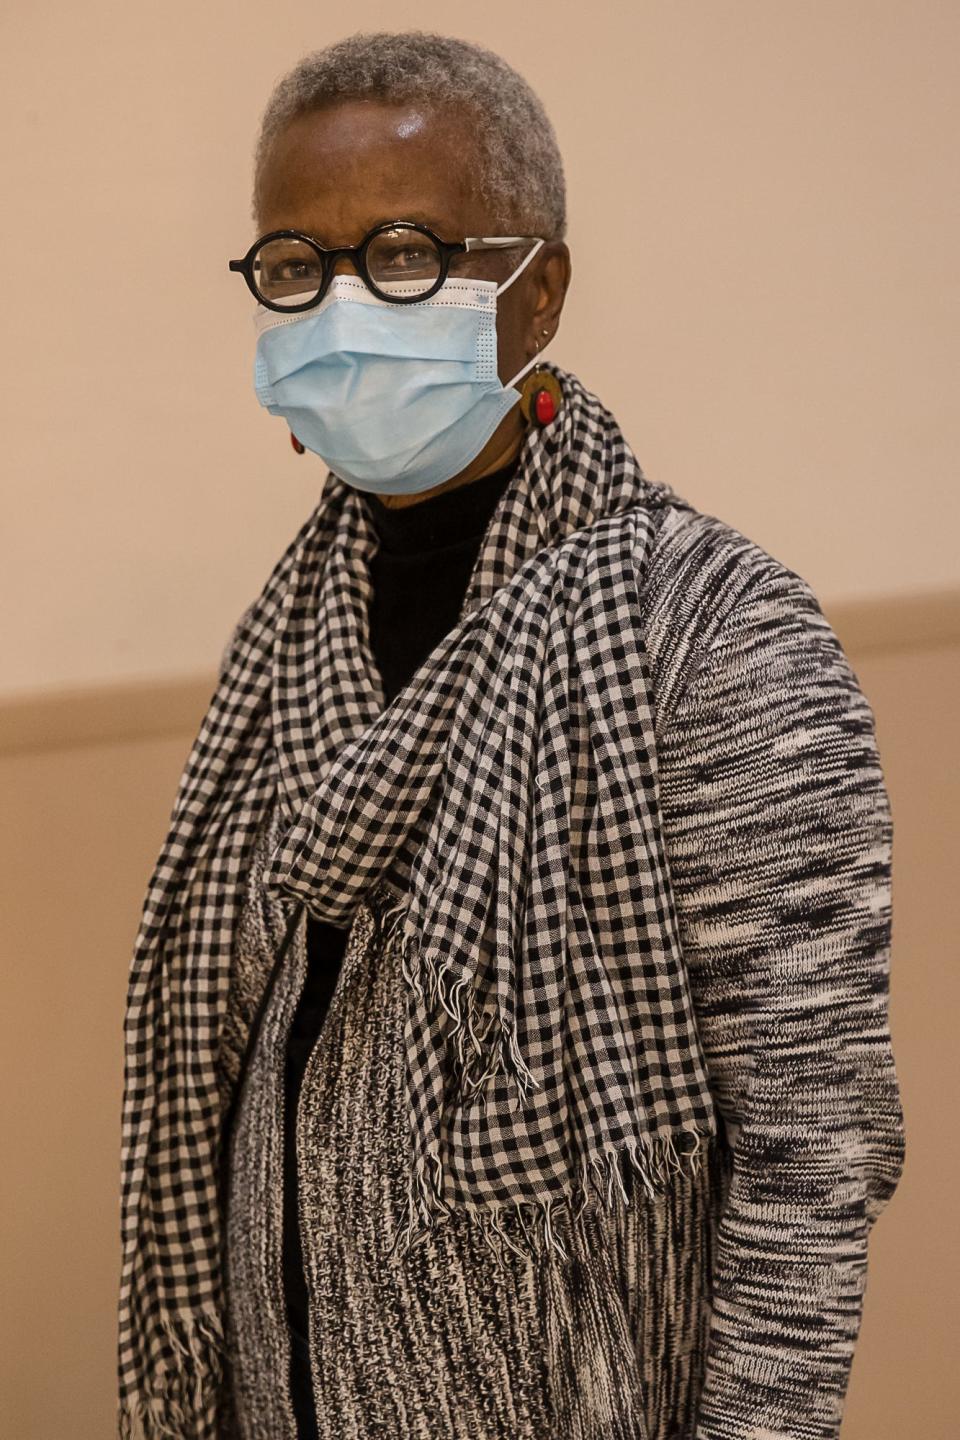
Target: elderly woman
[507,1035]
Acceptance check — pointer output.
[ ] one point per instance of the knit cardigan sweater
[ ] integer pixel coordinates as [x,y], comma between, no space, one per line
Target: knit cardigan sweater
[727,1307]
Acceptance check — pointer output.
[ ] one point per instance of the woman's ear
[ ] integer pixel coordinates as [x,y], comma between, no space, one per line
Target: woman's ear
[551,277]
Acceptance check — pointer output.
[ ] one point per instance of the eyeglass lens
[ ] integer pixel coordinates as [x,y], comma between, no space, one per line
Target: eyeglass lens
[289,272]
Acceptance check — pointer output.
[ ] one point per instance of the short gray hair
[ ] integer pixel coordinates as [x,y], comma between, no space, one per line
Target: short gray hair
[521,170]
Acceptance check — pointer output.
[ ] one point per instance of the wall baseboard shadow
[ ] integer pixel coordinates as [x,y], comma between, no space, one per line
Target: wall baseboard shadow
[145,710]
[104,714]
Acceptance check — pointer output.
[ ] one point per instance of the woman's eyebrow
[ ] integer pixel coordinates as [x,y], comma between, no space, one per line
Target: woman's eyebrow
[432,223]
[417,217]
[440,227]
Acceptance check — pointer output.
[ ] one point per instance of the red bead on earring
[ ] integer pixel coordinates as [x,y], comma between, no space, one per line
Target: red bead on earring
[544,407]
[296,444]
[541,398]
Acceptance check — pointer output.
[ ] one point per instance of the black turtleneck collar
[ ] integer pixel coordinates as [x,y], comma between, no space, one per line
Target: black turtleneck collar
[440,520]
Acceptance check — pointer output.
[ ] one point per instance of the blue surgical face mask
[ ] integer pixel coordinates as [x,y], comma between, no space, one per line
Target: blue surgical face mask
[394,398]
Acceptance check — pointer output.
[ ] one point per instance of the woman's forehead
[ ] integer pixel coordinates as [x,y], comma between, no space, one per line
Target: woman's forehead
[340,170]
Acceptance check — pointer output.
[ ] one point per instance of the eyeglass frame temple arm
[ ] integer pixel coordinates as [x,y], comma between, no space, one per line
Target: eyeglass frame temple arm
[497,242]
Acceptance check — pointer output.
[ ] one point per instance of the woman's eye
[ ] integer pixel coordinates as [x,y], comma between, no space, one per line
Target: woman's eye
[407,258]
[294,270]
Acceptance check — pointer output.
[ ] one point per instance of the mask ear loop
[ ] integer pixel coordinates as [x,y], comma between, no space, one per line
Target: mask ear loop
[505,286]
[520,373]
[520,268]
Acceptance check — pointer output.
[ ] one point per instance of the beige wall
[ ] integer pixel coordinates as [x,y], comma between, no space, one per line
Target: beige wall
[778,349]
[777,341]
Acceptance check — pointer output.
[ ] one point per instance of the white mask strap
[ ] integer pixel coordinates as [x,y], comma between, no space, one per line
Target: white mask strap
[506,284]
[520,373]
[520,268]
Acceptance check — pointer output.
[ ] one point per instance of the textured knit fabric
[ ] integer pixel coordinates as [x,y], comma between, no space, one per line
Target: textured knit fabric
[419,574]
[785,936]
[461,1343]
[779,832]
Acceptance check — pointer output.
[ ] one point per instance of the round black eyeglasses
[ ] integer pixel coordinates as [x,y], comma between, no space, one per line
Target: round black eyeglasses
[398,261]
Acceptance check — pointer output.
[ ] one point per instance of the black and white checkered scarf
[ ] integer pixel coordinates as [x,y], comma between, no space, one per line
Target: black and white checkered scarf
[510,791]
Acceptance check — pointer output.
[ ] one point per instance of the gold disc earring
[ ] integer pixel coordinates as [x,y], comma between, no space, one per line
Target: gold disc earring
[541,397]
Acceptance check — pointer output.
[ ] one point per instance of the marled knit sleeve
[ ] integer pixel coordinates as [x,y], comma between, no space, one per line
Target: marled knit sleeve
[779,834]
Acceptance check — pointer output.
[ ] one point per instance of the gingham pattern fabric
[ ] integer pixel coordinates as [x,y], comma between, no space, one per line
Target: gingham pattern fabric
[551,1046]
[549,1034]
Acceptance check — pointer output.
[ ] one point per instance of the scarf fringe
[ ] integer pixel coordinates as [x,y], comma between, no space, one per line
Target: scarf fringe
[544,1223]
[555,1226]
[190,1402]
[489,1056]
